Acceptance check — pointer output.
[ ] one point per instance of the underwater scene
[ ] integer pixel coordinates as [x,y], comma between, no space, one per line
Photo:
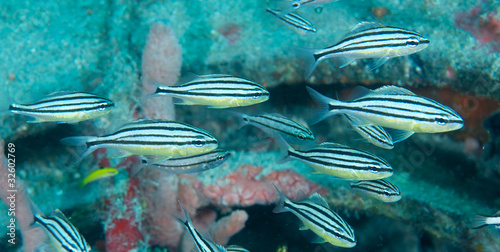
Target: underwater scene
[262,125]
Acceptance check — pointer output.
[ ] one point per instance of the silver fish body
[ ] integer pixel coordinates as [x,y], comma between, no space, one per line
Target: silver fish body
[283,125]
[62,232]
[296,22]
[217,91]
[66,107]
[317,216]
[370,40]
[392,107]
[381,190]
[151,137]
[343,162]
[201,243]
[191,164]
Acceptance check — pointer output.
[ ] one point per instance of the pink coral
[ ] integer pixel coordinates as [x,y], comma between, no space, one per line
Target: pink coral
[244,187]
[485,29]
[161,62]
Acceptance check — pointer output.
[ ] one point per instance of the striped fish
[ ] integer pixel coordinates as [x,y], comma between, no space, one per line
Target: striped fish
[368,40]
[392,107]
[150,137]
[342,161]
[276,123]
[287,6]
[293,20]
[62,232]
[63,107]
[216,91]
[317,216]
[381,189]
[201,243]
[191,164]
[483,221]
[374,134]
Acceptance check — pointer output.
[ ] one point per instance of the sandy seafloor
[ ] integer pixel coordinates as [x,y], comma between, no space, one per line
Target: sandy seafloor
[97,46]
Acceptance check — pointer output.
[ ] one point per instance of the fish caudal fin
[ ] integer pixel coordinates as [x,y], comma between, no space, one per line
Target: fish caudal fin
[479,221]
[280,206]
[81,144]
[309,59]
[324,106]
[5,102]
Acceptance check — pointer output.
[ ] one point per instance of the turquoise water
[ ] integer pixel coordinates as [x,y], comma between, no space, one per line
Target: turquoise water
[111,48]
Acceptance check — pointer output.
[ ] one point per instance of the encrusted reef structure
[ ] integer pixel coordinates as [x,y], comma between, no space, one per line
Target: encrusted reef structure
[104,47]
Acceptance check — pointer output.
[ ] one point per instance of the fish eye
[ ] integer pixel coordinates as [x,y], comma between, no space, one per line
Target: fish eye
[412,42]
[295,5]
[245,119]
[302,137]
[441,120]
[220,157]
[101,107]
[257,95]
[199,142]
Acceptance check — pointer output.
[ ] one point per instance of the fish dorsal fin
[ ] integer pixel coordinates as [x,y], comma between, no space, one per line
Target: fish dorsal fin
[393,90]
[361,26]
[60,214]
[316,198]
[301,196]
[358,92]
[497,213]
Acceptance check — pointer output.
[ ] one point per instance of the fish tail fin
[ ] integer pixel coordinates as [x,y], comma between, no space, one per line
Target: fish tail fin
[324,104]
[241,117]
[280,206]
[5,102]
[81,144]
[307,56]
[285,148]
[185,220]
[479,221]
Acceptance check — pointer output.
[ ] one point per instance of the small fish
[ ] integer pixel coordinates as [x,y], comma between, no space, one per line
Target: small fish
[62,107]
[282,248]
[276,123]
[391,107]
[62,232]
[203,244]
[99,174]
[296,22]
[368,41]
[381,190]
[317,216]
[341,161]
[216,91]
[150,137]
[191,164]
[289,6]
[374,134]
[483,221]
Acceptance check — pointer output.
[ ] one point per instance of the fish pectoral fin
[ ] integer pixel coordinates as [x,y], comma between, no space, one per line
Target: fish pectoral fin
[303,227]
[358,122]
[399,135]
[312,237]
[341,62]
[35,120]
[120,154]
[376,63]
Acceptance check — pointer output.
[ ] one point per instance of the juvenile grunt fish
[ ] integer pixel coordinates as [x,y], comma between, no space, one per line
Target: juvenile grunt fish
[317,216]
[391,107]
[62,232]
[150,137]
[216,91]
[368,40]
[62,107]
[294,21]
[381,190]
[191,164]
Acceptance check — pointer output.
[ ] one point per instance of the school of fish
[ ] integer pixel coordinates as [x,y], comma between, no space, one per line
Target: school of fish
[383,117]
